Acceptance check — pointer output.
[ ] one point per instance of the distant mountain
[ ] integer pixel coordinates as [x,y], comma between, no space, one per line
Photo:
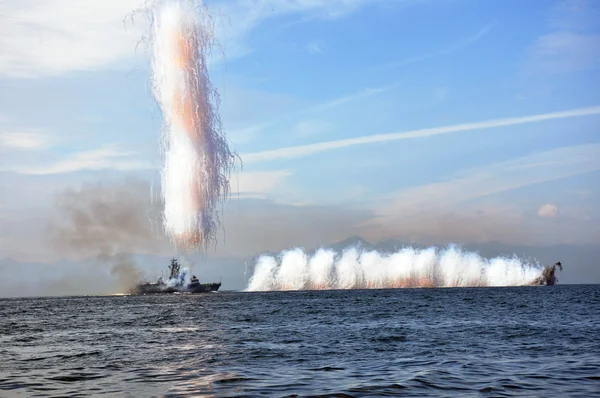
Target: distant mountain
[353,241]
[386,246]
[391,245]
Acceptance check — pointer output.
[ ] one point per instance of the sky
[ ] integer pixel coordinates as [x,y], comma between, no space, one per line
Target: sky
[425,121]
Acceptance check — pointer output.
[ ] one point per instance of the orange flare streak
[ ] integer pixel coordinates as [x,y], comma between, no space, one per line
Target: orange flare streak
[188,108]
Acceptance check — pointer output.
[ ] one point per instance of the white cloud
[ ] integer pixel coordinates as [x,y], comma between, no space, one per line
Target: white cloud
[45,38]
[24,140]
[548,211]
[310,149]
[98,159]
[256,183]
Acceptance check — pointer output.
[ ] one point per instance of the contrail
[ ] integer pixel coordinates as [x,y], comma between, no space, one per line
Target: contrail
[310,149]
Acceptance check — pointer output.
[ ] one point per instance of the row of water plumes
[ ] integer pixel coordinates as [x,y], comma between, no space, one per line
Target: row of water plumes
[356,268]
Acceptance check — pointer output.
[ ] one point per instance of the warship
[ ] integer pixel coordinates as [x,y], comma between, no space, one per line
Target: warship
[176,283]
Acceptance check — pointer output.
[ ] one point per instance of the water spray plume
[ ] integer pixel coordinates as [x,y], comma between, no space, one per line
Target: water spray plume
[355,268]
[197,158]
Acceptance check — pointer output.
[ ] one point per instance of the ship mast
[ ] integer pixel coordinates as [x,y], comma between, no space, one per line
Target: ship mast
[174,267]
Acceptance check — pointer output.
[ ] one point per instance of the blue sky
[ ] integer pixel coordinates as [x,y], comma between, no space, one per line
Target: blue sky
[75,106]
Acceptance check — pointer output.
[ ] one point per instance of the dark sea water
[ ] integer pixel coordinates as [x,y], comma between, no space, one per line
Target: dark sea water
[528,341]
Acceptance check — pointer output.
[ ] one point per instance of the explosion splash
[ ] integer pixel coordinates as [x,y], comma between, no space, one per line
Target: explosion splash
[198,161]
[407,268]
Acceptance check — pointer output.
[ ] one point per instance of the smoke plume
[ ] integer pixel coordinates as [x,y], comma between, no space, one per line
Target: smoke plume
[107,222]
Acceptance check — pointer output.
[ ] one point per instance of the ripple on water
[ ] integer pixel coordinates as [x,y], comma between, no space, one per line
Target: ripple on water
[415,342]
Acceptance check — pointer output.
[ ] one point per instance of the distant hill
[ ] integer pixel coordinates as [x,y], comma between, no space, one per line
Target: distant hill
[353,241]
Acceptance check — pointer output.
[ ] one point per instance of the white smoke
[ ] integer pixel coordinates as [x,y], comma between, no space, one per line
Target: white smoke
[356,268]
[184,278]
[181,279]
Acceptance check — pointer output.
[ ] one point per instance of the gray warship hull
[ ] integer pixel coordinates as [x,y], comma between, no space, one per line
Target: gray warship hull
[176,284]
[161,288]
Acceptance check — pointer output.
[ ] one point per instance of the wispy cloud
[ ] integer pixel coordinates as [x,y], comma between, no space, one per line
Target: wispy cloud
[98,159]
[53,37]
[239,18]
[304,127]
[573,42]
[582,193]
[246,134]
[452,209]
[441,94]
[307,128]
[257,184]
[449,50]
[496,178]
[575,14]
[24,140]
[315,47]
[58,36]
[310,149]
[563,52]
[366,93]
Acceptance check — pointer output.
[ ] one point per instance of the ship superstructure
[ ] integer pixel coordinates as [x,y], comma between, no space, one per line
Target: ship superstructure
[176,282]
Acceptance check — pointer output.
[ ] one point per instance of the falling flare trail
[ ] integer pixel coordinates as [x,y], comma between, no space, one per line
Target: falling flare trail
[197,158]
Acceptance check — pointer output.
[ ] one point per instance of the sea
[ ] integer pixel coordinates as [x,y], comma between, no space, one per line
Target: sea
[468,342]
